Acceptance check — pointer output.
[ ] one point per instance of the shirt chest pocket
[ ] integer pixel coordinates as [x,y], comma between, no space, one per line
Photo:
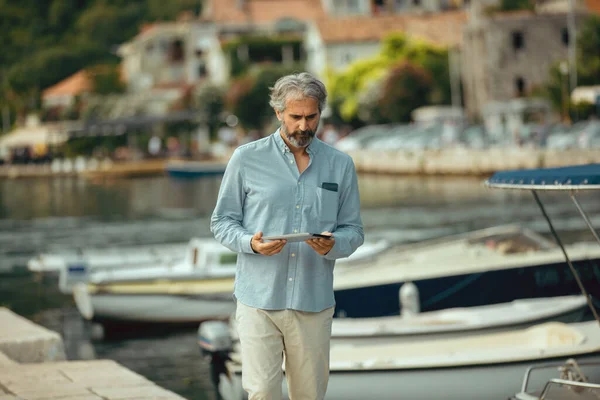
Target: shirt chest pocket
[327,205]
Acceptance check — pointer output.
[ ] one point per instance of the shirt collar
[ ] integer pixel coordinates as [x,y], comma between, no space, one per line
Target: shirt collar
[312,148]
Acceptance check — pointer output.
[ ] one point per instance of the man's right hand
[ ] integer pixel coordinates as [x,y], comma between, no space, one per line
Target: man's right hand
[266,248]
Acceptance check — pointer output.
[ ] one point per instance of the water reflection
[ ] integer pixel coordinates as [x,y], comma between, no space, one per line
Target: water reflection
[106,199]
[38,214]
[394,191]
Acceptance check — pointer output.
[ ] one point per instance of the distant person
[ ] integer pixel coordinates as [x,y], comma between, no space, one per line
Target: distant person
[330,134]
[154,146]
[288,182]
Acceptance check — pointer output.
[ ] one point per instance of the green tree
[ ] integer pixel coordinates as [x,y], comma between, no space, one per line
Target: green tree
[106,79]
[210,102]
[406,87]
[361,85]
[513,5]
[44,42]
[588,52]
[557,88]
[169,10]
[248,97]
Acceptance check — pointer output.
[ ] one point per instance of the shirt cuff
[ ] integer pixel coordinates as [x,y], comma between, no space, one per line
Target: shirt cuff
[334,254]
[245,244]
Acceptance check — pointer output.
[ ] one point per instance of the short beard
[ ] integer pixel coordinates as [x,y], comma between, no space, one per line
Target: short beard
[298,138]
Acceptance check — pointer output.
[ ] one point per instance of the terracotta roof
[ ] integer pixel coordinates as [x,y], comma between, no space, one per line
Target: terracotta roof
[73,85]
[440,28]
[593,6]
[264,11]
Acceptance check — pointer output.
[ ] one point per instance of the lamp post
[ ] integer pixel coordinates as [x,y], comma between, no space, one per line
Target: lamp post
[572,48]
[564,71]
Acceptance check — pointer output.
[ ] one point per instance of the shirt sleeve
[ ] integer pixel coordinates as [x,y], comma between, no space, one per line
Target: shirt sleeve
[349,234]
[226,222]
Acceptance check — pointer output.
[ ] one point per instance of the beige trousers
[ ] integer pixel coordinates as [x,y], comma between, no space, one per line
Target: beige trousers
[267,336]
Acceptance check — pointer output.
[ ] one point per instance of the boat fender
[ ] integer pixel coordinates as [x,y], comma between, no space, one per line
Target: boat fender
[409,300]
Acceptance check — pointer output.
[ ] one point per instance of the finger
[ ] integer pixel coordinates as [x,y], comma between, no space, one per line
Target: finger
[278,247]
[274,244]
[312,245]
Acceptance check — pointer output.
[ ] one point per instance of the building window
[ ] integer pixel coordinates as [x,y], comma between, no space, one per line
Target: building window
[564,34]
[416,3]
[346,58]
[346,7]
[353,6]
[202,71]
[520,86]
[518,41]
[176,51]
[401,4]
[378,6]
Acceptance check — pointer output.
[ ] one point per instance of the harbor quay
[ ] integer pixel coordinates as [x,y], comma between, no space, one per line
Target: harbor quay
[33,366]
[467,162]
[427,162]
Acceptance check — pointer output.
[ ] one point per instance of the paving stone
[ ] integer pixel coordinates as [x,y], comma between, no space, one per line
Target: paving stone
[4,360]
[44,392]
[24,341]
[145,392]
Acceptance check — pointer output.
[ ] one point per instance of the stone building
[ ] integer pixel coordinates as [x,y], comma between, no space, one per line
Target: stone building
[507,55]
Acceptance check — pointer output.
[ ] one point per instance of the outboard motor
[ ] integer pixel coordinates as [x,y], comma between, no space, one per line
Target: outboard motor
[410,303]
[215,342]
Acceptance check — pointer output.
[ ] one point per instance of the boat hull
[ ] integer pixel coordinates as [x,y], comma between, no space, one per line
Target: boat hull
[154,308]
[482,382]
[577,315]
[194,169]
[474,289]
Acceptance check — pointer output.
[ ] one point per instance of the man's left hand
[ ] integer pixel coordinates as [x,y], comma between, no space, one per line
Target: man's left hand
[320,245]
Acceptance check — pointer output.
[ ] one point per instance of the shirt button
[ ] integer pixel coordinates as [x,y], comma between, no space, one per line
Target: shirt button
[290,279]
[293,254]
[291,161]
[297,206]
[295,230]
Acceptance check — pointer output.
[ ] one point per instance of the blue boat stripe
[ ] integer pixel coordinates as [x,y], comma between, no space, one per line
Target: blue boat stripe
[452,290]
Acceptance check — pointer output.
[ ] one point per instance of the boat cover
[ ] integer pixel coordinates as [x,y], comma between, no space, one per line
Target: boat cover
[577,177]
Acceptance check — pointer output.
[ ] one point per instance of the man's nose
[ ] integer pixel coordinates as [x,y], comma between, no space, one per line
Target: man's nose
[303,124]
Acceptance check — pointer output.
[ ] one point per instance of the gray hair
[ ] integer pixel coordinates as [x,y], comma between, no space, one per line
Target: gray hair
[297,86]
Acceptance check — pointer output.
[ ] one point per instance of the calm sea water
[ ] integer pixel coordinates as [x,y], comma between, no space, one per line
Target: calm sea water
[64,213]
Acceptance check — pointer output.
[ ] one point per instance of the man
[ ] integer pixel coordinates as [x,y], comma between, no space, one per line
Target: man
[288,182]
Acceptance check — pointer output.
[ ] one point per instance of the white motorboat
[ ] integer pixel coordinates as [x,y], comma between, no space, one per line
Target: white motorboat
[458,322]
[54,262]
[161,293]
[202,250]
[488,266]
[573,382]
[453,322]
[198,288]
[484,366]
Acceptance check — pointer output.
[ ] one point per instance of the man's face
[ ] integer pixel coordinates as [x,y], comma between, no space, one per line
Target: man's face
[299,121]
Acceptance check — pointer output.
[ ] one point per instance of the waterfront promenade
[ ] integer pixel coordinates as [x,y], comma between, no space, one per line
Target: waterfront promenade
[451,161]
[33,367]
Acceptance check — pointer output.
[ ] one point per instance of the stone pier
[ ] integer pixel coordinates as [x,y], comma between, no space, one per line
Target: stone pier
[32,367]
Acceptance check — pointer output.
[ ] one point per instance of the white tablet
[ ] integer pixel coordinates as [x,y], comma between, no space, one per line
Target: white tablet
[296,237]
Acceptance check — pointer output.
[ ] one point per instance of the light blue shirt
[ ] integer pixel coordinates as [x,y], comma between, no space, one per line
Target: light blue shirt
[262,190]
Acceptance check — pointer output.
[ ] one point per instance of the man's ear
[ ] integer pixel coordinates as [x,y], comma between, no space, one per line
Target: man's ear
[279,115]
